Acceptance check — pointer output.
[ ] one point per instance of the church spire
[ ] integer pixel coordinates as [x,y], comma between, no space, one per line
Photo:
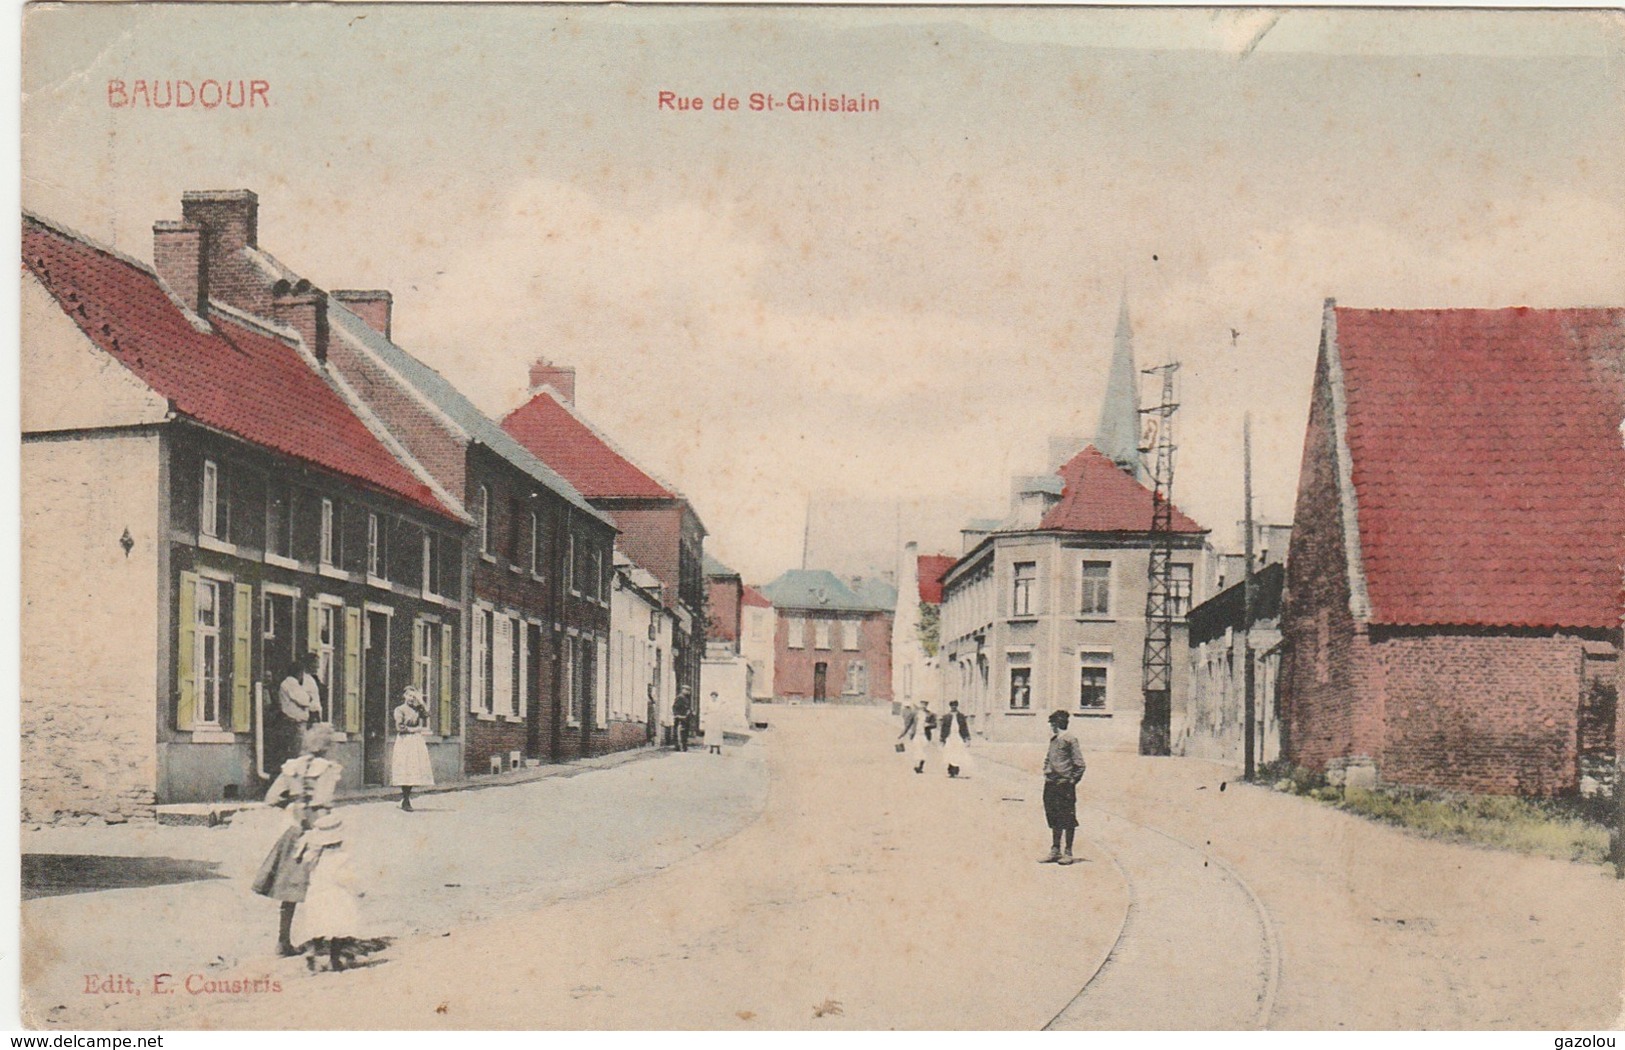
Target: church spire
[1118,435]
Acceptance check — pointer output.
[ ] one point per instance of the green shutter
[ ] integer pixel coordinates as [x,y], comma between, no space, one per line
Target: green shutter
[313,633]
[242,669]
[447,637]
[186,652]
[352,670]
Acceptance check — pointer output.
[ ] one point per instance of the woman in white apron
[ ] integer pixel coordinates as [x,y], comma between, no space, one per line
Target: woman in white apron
[919,736]
[955,741]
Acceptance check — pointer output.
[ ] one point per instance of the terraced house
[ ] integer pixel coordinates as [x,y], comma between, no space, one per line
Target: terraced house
[537,562]
[203,505]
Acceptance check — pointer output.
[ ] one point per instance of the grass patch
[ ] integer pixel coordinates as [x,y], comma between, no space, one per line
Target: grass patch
[1565,829]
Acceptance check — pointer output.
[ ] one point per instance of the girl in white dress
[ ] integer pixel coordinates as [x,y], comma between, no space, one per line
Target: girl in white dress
[409,766]
[331,917]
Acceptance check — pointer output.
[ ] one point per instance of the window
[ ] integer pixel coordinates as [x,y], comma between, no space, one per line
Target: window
[516,516]
[329,529]
[502,667]
[1179,589]
[821,634]
[1091,688]
[279,520]
[596,588]
[206,653]
[570,564]
[326,637]
[1021,600]
[431,564]
[426,659]
[483,510]
[849,634]
[1021,682]
[576,677]
[535,546]
[1097,589]
[795,629]
[209,523]
[375,547]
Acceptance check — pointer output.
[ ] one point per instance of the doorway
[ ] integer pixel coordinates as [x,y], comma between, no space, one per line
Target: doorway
[374,696]
[276,660]
[820,682]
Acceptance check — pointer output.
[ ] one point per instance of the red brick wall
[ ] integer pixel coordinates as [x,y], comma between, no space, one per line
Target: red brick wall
[793,669]
[1328,706]
[650,536]
[413,425]
[723,597]
[1482,713]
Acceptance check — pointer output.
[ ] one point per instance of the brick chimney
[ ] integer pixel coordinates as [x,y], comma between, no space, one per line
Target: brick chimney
[180,254]
[230,222]
[374,306]
[562,379]
[304,309]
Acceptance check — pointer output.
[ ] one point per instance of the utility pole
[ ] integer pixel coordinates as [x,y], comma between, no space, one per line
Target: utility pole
[1249,589]
[1156,666]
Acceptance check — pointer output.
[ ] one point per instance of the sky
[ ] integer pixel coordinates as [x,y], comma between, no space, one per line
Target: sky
[782,311]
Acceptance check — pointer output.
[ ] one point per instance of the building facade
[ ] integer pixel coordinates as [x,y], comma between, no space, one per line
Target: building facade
[204,506]
[538,561]
[757,636]
[916,675]
[1452,609]
[830,642]
[1047,610]
[1211,723]
[641,678]
[659,529]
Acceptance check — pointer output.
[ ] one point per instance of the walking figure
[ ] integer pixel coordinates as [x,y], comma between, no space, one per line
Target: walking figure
[332,916]
[1063,768]
[305,789]
[918,725]
[955,738]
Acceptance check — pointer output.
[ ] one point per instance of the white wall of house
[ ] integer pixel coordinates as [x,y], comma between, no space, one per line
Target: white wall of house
[90,634]
[1210,724]
[915,675]
[757,623]
[640,671]
[726,676]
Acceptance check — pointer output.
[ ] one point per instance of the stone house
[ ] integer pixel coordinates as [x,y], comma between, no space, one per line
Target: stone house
[1047,609]
[1452,609]
[915,674]
[757,630]
[641,679]
[203,503]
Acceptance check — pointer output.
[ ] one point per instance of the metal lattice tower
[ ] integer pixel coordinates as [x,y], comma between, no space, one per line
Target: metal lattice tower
[1157,668]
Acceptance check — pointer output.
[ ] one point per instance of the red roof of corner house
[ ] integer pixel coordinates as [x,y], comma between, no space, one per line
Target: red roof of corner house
[757,598]
[932,568]
[1100,496]
[232,377]
[1488,471]
[556,435]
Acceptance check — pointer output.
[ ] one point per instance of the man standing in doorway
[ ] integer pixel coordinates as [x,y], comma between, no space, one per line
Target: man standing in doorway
[1063,768]
[299,706]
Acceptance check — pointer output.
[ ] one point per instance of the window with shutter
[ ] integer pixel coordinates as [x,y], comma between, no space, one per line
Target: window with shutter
[242,649]
[186,652]
[446,728]
[352,670]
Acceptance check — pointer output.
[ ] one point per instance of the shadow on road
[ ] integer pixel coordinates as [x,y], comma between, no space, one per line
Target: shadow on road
[55,874]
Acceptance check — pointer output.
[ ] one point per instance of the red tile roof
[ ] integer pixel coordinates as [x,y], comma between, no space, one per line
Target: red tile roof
[557,436]
[1100,496]
[233,377]
[932,568]
[756,598]
[1487,463]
